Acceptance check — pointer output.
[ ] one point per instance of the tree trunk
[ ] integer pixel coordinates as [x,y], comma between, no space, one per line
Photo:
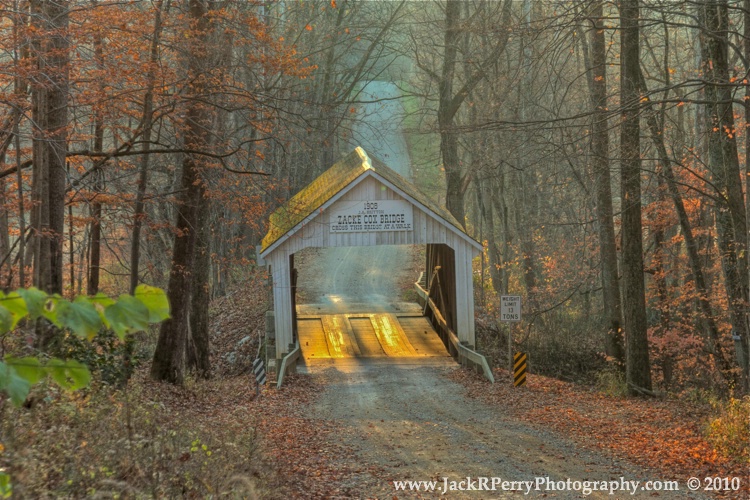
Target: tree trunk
[95,248]
[148,115]
[724,166]
[199,343]
[198,347]
[745,340]
[49,109]
[169,357]
[57,100]
[743,353]
[454,200]
[638,368]
[21,214]
[50,113]
[485,192]
[20,88]
[4,232]
[95,242]
[501,208]
[449,101]
[613,344]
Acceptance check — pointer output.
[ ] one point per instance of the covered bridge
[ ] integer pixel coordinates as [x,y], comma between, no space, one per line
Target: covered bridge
[360,201]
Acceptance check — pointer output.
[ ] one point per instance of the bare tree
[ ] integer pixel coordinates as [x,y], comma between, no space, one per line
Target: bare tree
[638,368]
[600,161]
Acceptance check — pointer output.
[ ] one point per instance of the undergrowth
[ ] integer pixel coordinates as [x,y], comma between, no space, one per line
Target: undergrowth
[126,436]
[729,430]
[571,353]
[611,382]
[149,440]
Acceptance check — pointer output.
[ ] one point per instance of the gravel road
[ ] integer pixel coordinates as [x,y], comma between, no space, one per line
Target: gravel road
[411,422]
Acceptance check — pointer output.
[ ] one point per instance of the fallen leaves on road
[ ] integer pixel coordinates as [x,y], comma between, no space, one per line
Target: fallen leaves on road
[308,459]
[662,435]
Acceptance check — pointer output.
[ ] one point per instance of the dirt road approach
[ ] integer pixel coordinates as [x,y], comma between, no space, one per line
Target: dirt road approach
[404,416]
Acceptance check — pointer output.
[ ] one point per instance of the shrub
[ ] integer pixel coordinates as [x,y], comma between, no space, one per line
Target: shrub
[612,383]
[729,431]
[108,357]
[82,318]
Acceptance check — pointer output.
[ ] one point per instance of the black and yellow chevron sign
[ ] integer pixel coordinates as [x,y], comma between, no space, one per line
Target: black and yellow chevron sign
[519,369]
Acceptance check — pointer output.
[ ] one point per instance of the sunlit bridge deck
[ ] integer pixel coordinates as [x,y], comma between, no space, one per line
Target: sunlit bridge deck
[398,331]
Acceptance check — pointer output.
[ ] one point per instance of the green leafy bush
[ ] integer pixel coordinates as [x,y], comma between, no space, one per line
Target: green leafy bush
[84,318]
[109,359]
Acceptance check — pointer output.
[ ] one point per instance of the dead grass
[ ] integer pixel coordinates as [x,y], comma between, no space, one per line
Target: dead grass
[153,440]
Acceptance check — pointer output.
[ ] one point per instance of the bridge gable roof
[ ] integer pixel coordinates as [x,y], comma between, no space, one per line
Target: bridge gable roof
[334,183]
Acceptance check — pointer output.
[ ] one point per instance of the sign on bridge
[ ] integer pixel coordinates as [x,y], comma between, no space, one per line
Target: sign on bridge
[510,308]
[375,215]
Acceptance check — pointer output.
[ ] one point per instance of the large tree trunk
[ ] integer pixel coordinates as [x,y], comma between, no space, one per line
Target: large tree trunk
[613,344]
[49,109]
[199,343]
[50,114]
[169,357]
[745,341]
[638,368]
[724,165]
[57,100]
[198,358]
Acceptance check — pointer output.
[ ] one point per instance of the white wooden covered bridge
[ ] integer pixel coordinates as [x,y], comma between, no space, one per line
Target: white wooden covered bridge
[360,201]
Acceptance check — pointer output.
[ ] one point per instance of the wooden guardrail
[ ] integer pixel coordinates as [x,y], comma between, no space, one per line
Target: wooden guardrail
[464,355]
[289,361]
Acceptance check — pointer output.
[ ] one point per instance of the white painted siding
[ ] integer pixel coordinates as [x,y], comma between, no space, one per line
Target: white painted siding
[282,301]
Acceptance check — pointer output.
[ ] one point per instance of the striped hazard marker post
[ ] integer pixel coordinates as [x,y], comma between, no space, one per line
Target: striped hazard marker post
[519,369]
[260,374]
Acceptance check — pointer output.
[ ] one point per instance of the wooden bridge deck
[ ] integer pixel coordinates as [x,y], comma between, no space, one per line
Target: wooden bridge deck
[325,334]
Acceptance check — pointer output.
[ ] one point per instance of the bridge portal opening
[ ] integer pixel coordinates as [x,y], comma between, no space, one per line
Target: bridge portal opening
[361,302]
